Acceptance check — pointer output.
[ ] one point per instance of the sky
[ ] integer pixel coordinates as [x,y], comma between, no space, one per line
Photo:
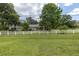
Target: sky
[34,9]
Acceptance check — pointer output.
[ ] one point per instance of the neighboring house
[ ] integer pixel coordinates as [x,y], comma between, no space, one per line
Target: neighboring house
[33,27]
[13,28]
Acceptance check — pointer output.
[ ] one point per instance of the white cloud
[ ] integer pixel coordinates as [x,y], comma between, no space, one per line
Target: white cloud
[17,4]
[67,4]
[74,12]
[28,9]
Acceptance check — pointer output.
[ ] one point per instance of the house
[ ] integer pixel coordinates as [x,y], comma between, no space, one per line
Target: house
[33,27]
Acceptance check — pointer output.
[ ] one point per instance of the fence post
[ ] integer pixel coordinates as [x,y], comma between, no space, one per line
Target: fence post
[56,31]
[15,32]
[38,32]
[0,33]
[73,31]
[23,32]
[31,32]
[47,32]
[7,32]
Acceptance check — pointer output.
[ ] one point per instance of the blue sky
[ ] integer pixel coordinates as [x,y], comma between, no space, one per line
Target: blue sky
[34,9]
[72,9]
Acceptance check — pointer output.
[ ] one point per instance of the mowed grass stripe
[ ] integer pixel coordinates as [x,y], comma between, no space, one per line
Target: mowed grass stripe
[39,44]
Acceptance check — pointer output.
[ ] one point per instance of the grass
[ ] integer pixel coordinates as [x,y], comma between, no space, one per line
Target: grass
[40,45]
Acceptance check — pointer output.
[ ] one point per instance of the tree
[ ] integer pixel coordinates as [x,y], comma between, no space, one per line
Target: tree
[24,26]
[67,20]
[31,21]
[51,14]
[44,25]
[8,15]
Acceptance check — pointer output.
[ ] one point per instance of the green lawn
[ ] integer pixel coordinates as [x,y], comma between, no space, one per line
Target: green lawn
[39,45]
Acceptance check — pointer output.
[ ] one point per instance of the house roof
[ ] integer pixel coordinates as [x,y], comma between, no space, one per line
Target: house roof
[34,25]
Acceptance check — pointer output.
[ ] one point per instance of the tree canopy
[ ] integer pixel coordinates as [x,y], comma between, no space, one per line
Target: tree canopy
[8,14]
[51,14]
[52,18]
[30,20]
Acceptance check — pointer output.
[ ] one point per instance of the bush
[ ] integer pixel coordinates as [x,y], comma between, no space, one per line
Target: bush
[63,27]
[25,26]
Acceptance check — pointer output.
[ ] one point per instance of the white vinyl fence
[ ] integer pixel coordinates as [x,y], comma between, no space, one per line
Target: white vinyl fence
[39,32]
[31,32]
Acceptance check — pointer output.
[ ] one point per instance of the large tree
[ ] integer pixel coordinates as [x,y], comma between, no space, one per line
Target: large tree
[67,21]
[8,15]
[50,16]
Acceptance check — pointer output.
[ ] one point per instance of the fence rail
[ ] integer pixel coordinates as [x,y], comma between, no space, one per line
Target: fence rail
[31,32]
